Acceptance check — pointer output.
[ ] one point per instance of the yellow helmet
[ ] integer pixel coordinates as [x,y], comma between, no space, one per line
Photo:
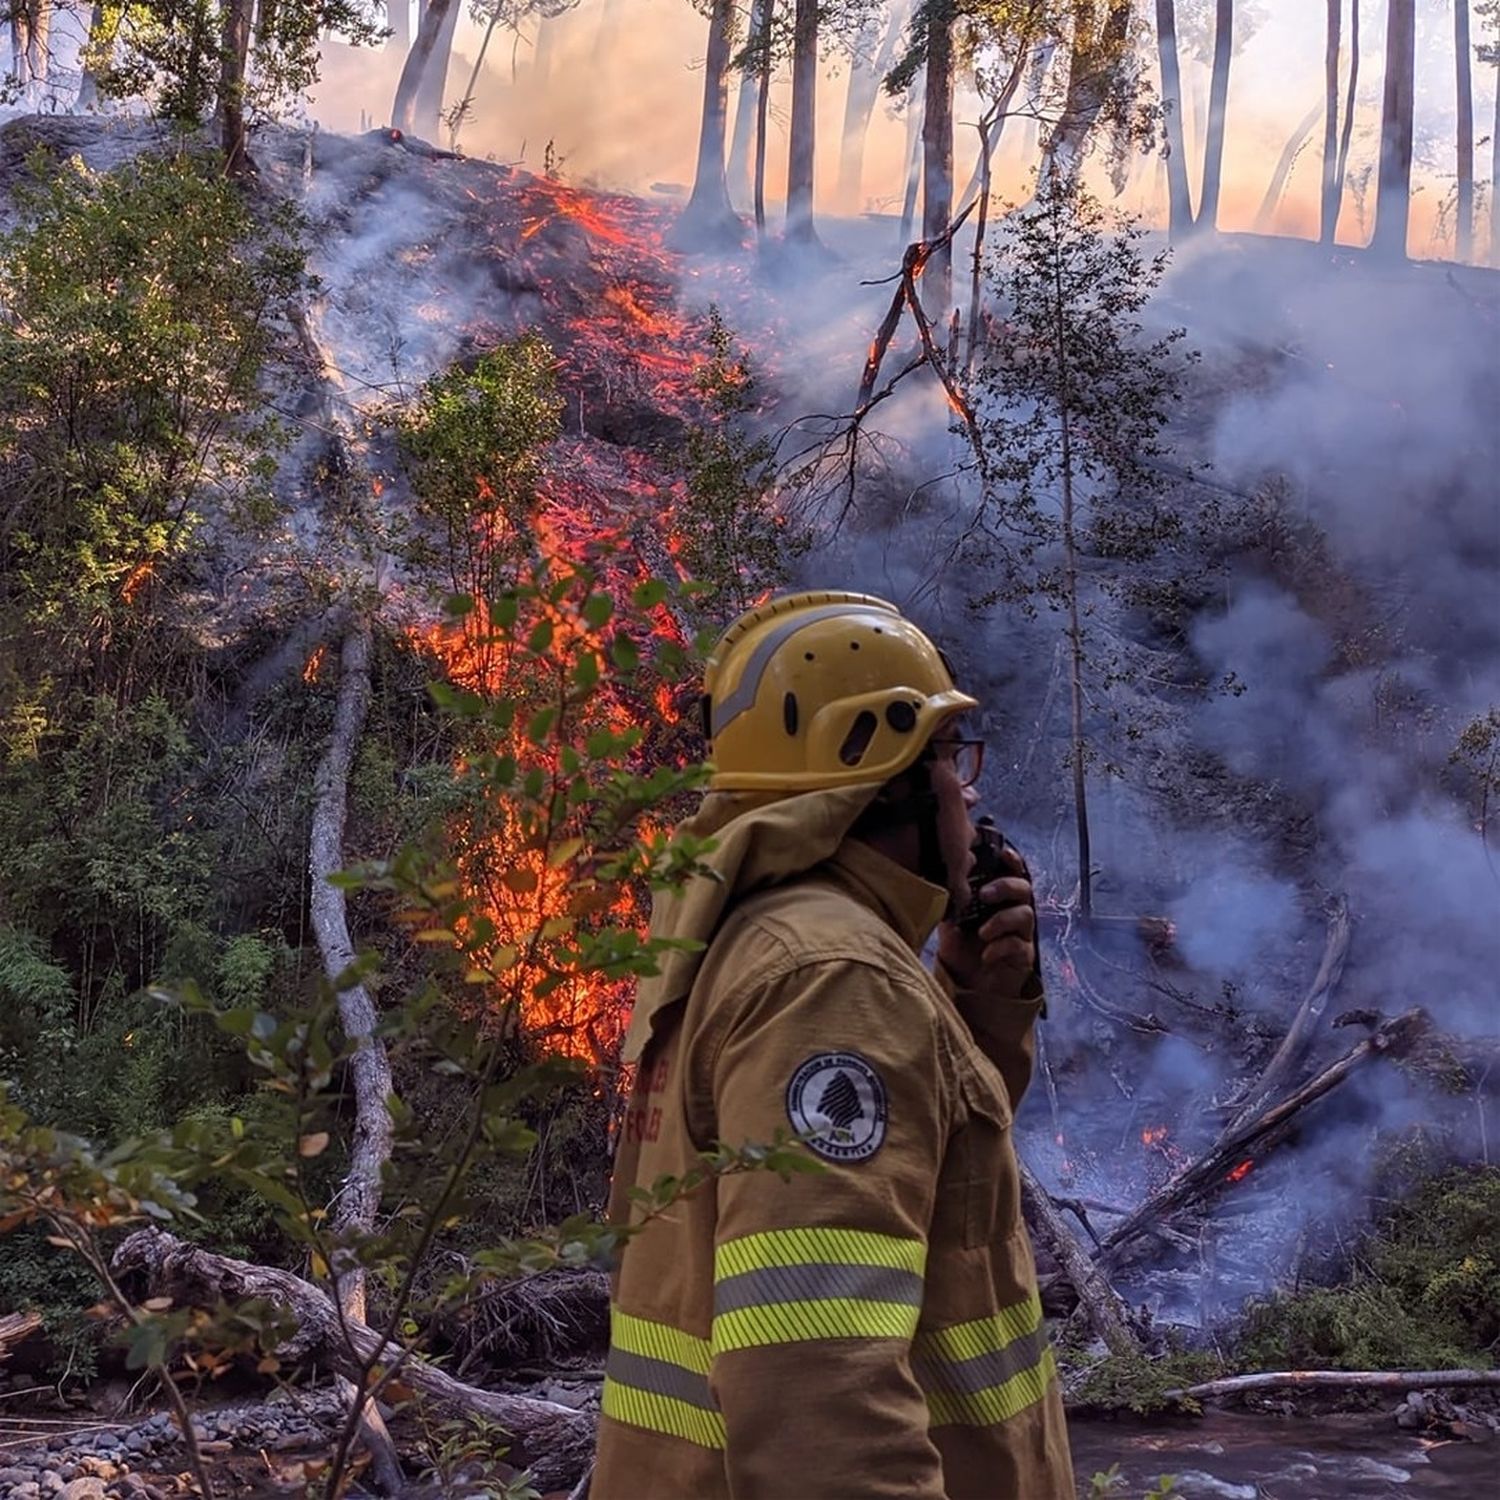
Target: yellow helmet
[819,690]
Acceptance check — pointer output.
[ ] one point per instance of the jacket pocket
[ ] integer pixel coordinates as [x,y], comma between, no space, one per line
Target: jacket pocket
[988,1177]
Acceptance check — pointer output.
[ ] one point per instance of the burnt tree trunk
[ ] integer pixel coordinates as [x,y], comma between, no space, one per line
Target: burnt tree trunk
[1393,199]
[937,157]
[1218,110]
[913,160]
[1179,190]
[708,213]
[866,76]
[555,1441]
[234,58]
[1328,216]
[800,225]
[1463,240]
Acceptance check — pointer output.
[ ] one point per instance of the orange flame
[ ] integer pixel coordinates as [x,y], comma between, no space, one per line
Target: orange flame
[314,664]
[1241,1172]
[135,581]
[1153,1135]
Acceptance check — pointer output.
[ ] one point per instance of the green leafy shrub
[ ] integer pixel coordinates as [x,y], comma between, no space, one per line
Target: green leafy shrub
[1423,1293]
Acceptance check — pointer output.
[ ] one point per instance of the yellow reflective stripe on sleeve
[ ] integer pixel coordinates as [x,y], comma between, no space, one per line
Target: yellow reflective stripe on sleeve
[810,1247]
[998,1403]
[984,1335]
[826,1318]
[658,1341]
[665,1414]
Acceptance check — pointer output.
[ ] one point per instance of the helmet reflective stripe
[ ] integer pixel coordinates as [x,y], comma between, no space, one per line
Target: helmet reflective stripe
[722,715]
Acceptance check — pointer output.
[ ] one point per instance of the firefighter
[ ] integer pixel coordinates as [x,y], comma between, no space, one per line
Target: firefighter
[871,1330]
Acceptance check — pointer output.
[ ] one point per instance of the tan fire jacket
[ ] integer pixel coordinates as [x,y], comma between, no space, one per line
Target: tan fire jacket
[871,1332]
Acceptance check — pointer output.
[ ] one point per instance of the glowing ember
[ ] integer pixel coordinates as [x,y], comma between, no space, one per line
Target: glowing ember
[1239,1173]
[314,664]
[1153,1135]
[135,581]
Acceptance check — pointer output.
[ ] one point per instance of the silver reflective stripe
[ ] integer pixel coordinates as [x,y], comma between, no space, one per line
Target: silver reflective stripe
[727,710]
[812,1283]
[660,1378]
[969,1376]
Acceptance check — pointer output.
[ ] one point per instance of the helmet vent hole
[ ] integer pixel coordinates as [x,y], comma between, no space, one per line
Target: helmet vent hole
[854,645]
[808,656]
[902,717]
[857,741]
[789,712]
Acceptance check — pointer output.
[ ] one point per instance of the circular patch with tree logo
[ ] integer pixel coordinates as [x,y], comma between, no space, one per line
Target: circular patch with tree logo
[837,1103]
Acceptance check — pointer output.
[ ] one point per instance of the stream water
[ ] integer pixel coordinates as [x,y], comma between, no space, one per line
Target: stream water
[1232,1456]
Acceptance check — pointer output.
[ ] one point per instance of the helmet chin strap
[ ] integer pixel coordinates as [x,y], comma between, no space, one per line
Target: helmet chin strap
[921,808]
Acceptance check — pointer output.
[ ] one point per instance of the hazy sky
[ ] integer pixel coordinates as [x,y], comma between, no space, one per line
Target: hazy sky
[620,101]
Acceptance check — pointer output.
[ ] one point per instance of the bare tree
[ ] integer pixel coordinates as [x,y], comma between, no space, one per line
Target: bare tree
[1350,97]
[1393,199]
[1179,190]
[743,133]
[708,212]
[1463,246]
[433,83]
[1218,109]
[800,227]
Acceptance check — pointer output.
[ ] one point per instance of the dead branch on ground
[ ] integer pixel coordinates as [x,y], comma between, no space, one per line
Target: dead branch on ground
[1236,1150]
[554,1440]
[1378,1380]
[15,1329]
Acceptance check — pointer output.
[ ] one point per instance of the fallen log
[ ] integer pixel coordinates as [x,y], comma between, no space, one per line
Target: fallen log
[1377,1380]
[553,1441]
[1233,1155]
[1097,1299]
[15,1329]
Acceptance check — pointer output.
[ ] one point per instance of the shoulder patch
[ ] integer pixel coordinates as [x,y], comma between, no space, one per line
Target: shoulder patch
[838,1103]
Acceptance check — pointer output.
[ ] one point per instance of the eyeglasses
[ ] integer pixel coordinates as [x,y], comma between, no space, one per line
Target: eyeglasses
[967,757]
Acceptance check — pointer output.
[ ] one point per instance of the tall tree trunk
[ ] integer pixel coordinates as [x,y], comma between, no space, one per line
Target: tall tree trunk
[1075,660]
[800,227]
[708,210]
[1393,201]
[1179,190]
[234,57]
[88,81]
[762,113]
[913,157]
[398,14]
[1218,109]
[1093,63]
[937,158]
[30,35]
[1351,98]
[866,76]
[1328,217]
[434,19]
[743,133]
[1495,174]
[434,82]
[1464,66]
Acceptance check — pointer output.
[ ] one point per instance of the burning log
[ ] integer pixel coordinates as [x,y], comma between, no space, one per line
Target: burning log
[555,1441]
[1299,1034]
[1376,1380]
[1096,1297]
[15,1329]
[1232,1157]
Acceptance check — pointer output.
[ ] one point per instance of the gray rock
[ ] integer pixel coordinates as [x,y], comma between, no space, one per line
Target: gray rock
[86,1488]
[17,1475]
[26,1492]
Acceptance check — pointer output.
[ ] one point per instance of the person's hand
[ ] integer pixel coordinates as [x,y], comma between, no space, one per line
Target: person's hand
[999,958]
